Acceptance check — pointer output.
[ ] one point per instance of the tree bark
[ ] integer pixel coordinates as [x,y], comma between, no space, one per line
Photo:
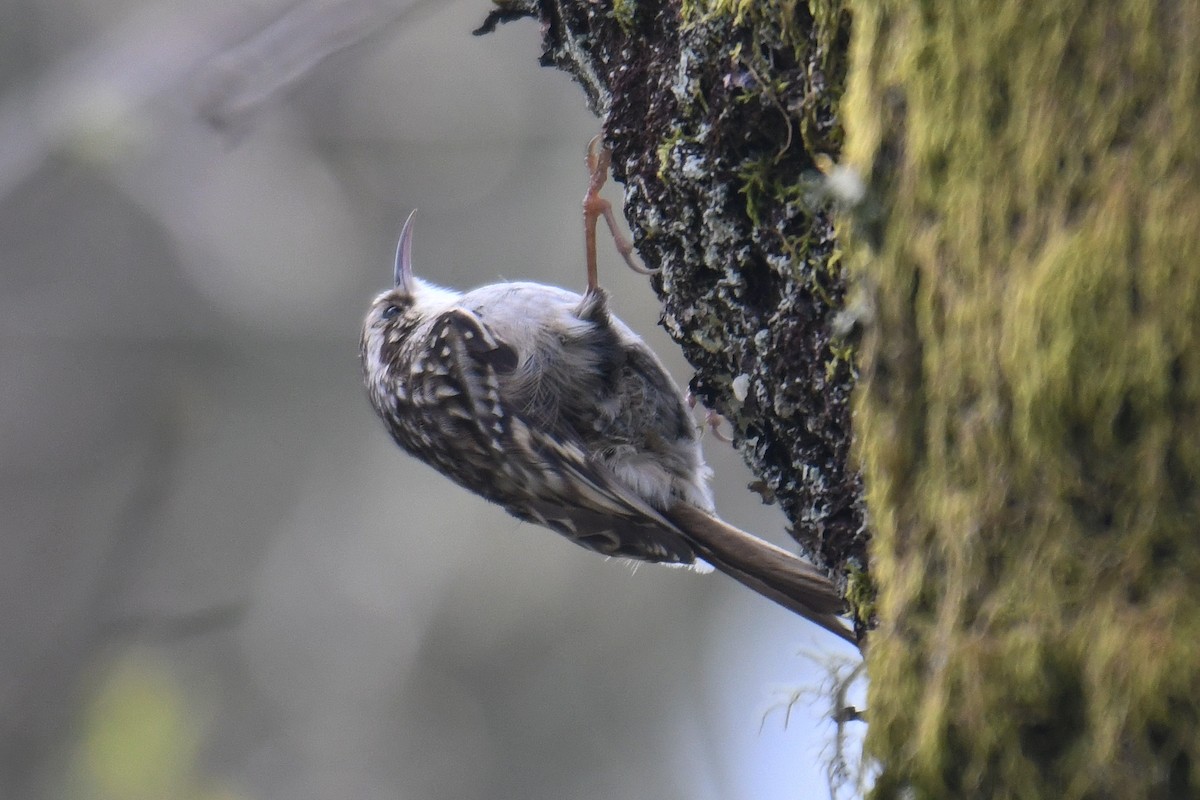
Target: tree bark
[1026,258]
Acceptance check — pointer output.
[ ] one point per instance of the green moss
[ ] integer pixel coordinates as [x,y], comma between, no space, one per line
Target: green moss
[759,185]
[860,594]
[1031,432]
[625,11]
[778,19]
[842,356]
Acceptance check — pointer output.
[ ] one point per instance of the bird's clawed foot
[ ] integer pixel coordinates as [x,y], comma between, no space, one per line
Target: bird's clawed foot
[712,420]
[594,206]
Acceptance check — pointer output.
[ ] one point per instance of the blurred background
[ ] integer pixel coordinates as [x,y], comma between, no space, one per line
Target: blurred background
[218,576]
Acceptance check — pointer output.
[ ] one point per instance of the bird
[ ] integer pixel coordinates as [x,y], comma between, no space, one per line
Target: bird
[542,401]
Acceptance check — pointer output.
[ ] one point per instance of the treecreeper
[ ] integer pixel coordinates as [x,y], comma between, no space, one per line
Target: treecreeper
[540,400]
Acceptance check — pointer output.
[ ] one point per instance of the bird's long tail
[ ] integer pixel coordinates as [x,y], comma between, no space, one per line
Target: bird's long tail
[769,570]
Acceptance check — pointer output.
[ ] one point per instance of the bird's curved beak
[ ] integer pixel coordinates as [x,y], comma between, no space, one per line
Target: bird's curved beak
[404,273]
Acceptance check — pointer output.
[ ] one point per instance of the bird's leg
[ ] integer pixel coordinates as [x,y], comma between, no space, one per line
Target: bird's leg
[595,206]
[712,420]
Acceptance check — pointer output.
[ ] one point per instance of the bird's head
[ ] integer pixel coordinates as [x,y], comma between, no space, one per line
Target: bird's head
[396,314]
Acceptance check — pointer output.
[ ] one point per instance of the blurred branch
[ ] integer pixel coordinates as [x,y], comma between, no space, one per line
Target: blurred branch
[172,627]
[146,54]
[225,57]
[240,80]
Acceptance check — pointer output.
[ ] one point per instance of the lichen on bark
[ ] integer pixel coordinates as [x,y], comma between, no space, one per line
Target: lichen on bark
[717,114]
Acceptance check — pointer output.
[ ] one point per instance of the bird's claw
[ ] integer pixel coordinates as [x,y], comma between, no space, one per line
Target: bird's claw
[599,157]
[712,419]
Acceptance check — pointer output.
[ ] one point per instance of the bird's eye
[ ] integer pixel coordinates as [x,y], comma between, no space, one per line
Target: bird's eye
[391,311]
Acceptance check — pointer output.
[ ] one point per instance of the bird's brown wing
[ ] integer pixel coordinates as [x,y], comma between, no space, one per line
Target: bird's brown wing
[466,429]
[552,479]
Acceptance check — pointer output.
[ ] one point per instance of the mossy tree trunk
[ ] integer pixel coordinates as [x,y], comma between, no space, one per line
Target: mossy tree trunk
[1030,413]
[1027,268]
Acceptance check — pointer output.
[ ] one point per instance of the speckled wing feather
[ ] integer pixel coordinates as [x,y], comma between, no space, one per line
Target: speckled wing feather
[458,421]
[438,403]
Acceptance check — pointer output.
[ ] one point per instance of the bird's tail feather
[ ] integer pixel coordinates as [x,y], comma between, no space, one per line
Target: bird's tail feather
[769,570]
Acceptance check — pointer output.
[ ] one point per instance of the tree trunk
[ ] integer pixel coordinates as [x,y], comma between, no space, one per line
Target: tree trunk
[1026,272]
[1029,423]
